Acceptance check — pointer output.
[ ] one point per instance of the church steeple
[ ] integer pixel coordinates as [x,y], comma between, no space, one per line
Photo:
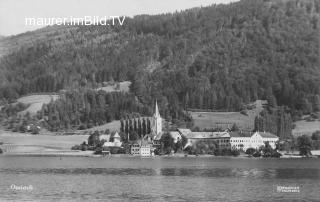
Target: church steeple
[156,122]
[156,112]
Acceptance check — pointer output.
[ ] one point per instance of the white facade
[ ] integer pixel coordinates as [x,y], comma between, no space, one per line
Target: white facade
[175,135]
[145,150]
[254,141]
[116,138]
[142,150]
[156,123]
[135,149]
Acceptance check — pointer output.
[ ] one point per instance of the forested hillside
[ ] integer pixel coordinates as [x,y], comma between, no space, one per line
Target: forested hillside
[217,57]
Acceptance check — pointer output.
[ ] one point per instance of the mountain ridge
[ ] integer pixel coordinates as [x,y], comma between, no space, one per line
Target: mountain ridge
[216,57]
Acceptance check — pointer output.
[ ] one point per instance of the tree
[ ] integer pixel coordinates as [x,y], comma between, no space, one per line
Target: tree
[84,146]
[167,142]
[139,128]
[184,141]
[204,147]
[122,128]
[123,137]
[316,102]
[304,145]
[126,130]
[148,126]
[235,152]
[235,127]
[256,154]
[135,126]
[94,139]
[134,136]
[144,127]
[272,102]
[250,151]
[276,154]
[35,129]
[98,150]
[178,146]
[130,126]
[267,150]
[316,135]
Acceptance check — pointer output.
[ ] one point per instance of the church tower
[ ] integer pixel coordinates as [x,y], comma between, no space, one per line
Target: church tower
[156,126]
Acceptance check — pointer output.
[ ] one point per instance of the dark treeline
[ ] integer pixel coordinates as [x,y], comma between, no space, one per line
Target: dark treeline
[275,120]
[135,127]
[216,57]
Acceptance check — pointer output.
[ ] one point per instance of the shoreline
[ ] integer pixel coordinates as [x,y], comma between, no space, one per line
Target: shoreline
[73,153]
[55,145]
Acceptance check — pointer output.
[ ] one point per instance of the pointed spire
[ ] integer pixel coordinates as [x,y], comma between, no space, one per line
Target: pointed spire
[156,112]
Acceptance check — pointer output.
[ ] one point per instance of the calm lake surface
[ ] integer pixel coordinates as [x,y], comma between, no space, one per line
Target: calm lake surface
[157,179]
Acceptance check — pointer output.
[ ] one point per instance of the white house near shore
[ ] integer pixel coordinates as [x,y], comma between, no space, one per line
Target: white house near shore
[142,148]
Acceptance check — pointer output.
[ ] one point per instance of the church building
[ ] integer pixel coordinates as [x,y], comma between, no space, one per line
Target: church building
[147,145]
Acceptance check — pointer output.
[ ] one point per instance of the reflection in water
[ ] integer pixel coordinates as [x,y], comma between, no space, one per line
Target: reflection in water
[157,179]
[187,172]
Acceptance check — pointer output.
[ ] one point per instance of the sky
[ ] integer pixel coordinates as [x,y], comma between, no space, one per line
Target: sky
[14,12]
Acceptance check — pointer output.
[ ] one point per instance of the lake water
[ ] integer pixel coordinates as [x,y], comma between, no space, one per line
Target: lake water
[157,179]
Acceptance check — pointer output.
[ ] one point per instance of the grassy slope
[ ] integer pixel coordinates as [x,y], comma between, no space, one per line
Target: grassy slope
[36,102]
[112,126]
[12,43]
[123,87]
[305,127]
[223,119]
[39,143]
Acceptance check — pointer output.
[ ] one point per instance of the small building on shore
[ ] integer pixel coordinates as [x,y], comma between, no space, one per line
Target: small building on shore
[115,143]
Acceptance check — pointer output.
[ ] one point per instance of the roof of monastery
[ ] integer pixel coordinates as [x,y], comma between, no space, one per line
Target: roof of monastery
[249,134]
[207,135]
[240,134]
[184,131]
[175,134]
[267,135]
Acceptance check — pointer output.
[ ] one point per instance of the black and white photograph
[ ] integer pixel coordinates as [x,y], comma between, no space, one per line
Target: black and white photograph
[160,100]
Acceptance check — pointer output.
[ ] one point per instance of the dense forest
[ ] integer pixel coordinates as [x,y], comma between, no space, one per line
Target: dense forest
[84,110]
[218,57]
